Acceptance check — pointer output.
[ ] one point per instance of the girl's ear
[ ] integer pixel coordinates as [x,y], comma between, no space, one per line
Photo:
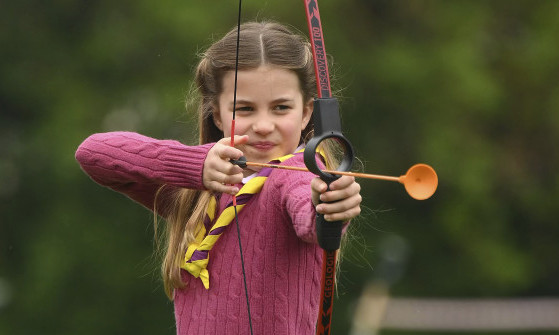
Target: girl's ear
[217,117]
[307,113]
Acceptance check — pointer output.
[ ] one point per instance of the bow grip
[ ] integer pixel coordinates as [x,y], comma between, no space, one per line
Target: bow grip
[327,124]
[328,233]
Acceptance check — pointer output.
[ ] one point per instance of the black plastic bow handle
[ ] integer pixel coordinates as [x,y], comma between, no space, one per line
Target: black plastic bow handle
[327,125]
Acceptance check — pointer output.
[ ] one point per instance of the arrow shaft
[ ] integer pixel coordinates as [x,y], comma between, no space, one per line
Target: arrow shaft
[342,173]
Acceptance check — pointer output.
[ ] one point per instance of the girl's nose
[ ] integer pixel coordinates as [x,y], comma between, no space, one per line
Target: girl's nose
[263,126]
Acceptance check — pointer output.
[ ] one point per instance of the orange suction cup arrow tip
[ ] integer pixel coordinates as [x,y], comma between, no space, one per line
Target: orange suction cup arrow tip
[420,181]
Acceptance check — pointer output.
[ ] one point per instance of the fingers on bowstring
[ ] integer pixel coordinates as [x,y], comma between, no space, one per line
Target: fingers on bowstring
[228,153]
[227,173]
[224,188]
[224,180]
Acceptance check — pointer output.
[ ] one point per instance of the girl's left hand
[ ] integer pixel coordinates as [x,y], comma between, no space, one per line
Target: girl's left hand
[341,202]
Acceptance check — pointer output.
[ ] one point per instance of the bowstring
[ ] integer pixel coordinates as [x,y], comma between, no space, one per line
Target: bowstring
[233,144]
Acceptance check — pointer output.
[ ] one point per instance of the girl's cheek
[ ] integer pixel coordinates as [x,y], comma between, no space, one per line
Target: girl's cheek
[241,127]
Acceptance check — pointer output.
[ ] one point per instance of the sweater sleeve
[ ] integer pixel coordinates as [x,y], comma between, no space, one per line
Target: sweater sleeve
[295,198]
[138,166]
[295,194]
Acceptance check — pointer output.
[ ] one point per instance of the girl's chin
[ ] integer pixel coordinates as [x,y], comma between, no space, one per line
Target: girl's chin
[262,156]
[259,157]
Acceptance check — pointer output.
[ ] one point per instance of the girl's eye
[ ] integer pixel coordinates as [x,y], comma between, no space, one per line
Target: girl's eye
[243,109]
[282,107]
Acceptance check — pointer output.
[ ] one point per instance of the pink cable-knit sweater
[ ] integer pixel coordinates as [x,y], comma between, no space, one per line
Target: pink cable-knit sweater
[282,261]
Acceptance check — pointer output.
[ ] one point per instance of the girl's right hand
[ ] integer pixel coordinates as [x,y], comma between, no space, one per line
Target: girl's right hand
[219,174]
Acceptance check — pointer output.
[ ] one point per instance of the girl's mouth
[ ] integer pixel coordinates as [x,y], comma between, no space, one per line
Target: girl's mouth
[263,145]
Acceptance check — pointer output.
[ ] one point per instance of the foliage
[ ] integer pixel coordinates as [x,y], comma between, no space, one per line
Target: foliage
[471,87]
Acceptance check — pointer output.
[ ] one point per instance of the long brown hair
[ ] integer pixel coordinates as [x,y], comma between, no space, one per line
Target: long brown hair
[261,43]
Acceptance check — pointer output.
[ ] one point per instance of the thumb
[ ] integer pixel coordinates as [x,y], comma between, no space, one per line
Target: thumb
[318,186]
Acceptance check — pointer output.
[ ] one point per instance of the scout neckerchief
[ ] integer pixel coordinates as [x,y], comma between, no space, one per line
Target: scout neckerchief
[197,254]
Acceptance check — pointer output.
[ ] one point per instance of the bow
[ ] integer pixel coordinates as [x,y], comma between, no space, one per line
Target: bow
[327,125]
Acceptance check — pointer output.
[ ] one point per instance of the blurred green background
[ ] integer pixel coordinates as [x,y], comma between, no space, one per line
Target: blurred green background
[470,87]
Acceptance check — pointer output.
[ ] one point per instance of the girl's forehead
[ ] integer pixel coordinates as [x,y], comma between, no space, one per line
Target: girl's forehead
[262,80]
[264,71]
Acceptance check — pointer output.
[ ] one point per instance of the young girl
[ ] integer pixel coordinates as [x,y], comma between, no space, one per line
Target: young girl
[191,187]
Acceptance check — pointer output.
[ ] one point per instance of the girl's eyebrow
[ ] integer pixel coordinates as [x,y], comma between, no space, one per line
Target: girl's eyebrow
[282,100]
[275,101]
[240,102]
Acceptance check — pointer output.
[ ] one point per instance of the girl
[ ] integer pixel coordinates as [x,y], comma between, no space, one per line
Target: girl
[192,187]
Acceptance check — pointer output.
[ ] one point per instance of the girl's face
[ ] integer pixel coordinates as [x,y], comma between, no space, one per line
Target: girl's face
[270,110]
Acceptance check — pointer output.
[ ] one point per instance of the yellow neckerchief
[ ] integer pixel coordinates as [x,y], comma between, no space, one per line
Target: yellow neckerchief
[198,252]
